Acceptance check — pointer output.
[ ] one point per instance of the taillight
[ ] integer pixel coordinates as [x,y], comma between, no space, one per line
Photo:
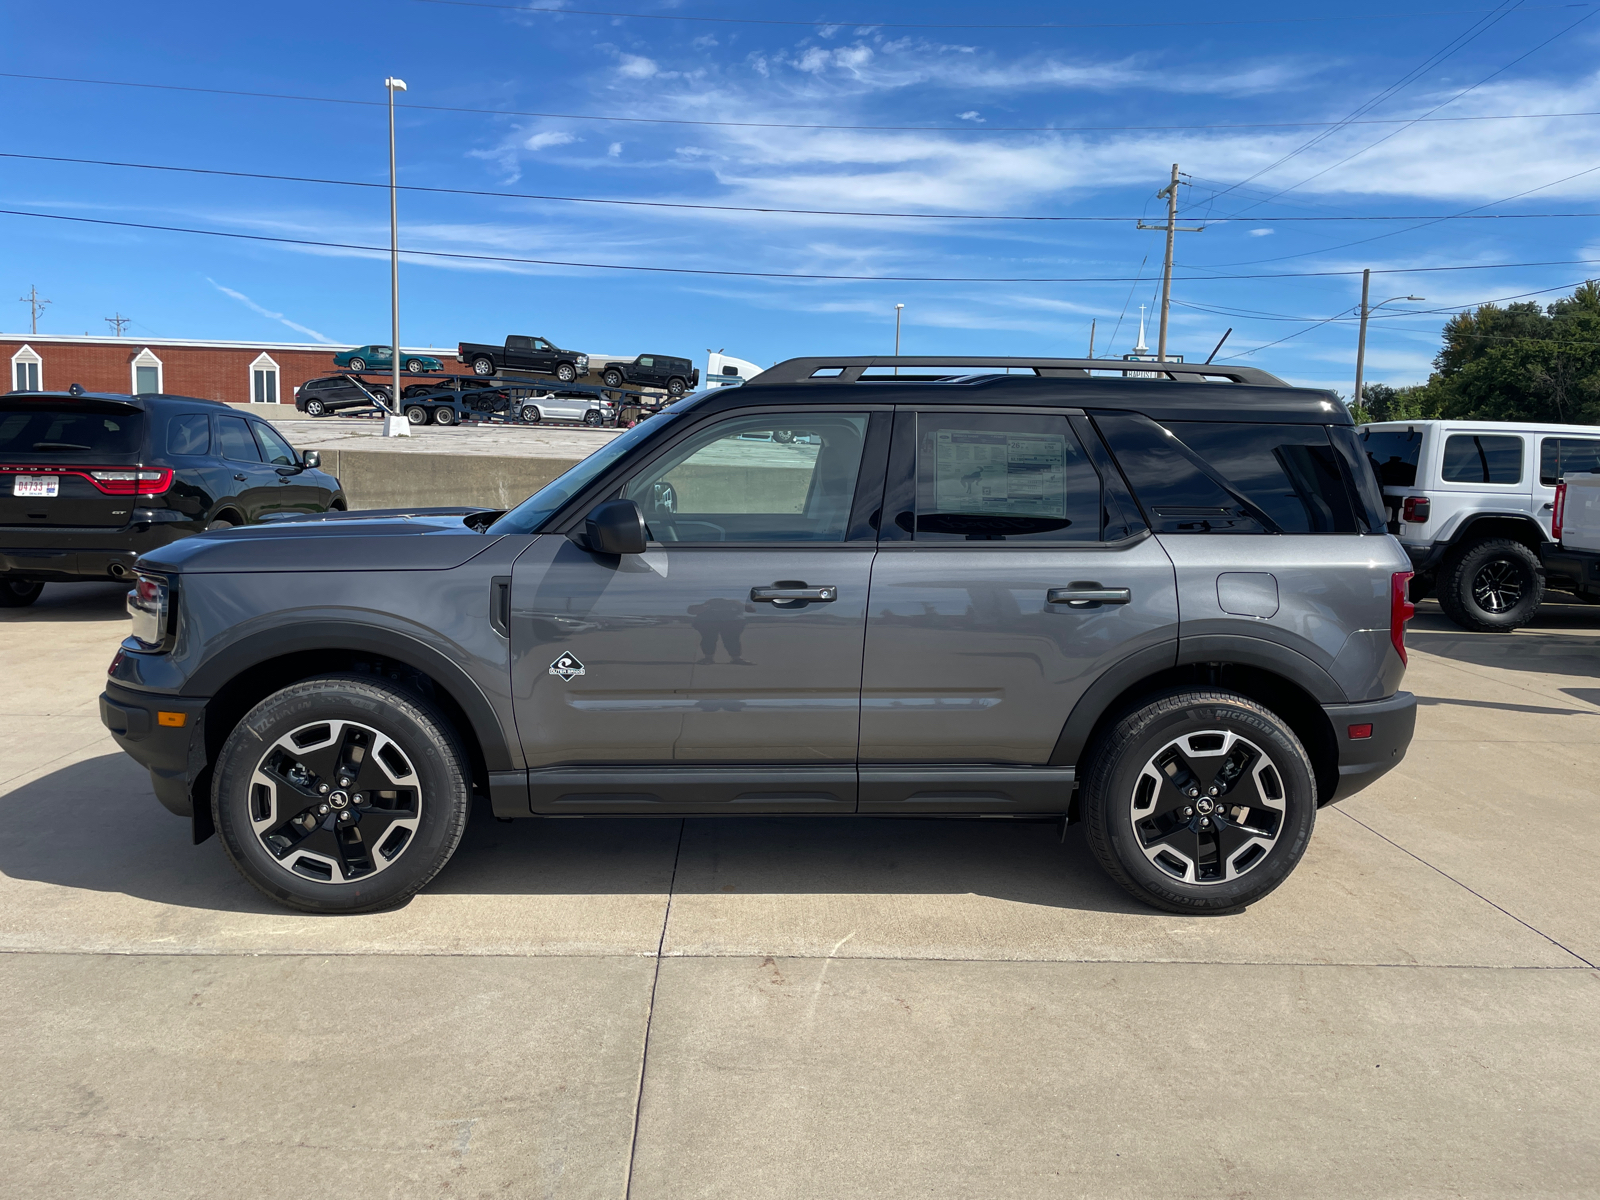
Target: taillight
[1416,509]
[1559,512]
[131,483]
[1401,610]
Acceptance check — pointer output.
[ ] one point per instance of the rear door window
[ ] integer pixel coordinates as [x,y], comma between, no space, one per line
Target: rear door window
[1567,456]
[1290,472]
[992,477]
[1482,458]
[189,433]
[234,440]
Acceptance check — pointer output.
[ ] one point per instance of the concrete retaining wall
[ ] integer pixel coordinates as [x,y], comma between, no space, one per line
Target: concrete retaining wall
[384,479]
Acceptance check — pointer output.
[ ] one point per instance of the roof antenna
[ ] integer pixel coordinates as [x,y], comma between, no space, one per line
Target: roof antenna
[1218,346]
[75,390]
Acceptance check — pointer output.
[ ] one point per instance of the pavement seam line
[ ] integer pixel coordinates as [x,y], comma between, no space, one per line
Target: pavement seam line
[1472,891]
[650,1011]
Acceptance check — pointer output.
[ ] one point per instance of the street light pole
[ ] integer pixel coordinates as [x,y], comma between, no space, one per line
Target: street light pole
[1361,339]
[394,85]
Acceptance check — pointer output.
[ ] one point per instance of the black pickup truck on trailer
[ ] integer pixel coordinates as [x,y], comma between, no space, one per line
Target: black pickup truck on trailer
[524,354]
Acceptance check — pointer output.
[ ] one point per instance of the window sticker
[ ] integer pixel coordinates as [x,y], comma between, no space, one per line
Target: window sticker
[1020,474]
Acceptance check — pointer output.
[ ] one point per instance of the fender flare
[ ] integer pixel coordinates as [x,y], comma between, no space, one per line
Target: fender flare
[264,645]
[1234,649]
[1463,531]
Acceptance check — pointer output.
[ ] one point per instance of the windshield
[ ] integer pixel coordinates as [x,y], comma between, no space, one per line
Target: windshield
[68,429]
[539,507]
[1393,455]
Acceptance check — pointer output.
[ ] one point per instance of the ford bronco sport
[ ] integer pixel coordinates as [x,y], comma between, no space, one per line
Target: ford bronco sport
[1164,606]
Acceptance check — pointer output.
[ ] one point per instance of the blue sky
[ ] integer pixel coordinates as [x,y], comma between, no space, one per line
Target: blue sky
[1014,122]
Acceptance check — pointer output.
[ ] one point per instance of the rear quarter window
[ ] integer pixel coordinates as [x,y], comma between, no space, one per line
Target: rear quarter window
[189,433]
[1290,472]
[1482,458]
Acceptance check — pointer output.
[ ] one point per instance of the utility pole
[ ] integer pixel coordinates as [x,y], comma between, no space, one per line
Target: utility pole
[1170,195]
[1091,339]
[898,309]
[1361,339]
[35,305]
[117,322]
[392,426]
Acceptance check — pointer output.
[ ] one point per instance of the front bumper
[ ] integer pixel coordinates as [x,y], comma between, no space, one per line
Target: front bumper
[65,554]
[1363,760]
[175,755]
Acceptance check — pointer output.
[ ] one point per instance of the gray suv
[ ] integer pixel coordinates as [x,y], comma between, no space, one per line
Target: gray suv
[1165,606]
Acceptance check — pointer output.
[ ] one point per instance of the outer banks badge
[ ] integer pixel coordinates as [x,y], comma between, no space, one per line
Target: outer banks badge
[567,666]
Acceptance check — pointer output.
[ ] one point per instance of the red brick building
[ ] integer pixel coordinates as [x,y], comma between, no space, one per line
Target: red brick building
[235,372]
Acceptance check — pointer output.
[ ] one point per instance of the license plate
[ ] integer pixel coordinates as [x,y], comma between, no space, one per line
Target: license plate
[36,485]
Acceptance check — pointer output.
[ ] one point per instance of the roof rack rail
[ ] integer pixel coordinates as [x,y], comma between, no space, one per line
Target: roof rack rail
[850,369]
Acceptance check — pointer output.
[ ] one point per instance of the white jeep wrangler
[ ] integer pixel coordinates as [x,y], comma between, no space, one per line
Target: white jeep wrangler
[1471,502]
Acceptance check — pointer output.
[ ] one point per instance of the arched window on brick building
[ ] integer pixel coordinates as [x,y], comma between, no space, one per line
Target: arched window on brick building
[26,369]
[264,380]
[146,373]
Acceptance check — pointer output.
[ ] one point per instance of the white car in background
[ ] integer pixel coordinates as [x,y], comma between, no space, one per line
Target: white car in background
[1472,502]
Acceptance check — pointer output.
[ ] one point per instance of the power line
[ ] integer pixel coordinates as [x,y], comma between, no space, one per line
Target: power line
[589,12]
[558,116]
[547,262]
[1470,214]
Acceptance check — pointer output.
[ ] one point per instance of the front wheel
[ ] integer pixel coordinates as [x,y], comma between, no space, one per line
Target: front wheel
[531,414]
[341,794]
[19,593]
[414,366]
[1199,801]
[315,408]
[482,366]
[416,414]
[566,372]
[1491,586]
[358,364]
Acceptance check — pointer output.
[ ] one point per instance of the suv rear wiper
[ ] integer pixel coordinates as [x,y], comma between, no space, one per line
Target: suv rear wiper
[60,446]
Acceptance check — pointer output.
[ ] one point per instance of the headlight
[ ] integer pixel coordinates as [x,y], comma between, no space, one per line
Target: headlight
[583,362]
[147,605]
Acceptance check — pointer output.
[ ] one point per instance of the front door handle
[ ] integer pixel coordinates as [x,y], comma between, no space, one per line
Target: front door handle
[239,477]
[1082,595]
[789,593]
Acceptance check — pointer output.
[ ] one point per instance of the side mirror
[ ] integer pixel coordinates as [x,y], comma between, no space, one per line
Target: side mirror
[616,527]
[311,459]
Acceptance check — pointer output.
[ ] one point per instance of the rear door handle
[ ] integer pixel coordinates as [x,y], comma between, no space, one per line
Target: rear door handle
[1082,595]
[787,594]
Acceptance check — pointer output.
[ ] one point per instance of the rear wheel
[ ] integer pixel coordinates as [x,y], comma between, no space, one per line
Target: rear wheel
[358,364]
[416,414]
[675,388]
[444,416]
[1491,586]
[19,593]
[315,408]
[221,523]
[593,417]
[341,794]
[1199,801]
[613,378]
[482,366]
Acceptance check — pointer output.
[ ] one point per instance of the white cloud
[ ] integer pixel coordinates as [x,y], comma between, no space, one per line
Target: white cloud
[551,137]
[636,66]
[614,150]
[972,115]
[265,312]
[1262,232]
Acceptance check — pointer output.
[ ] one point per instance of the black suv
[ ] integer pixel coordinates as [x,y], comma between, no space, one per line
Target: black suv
[90,481]
[1165,605]
[654,370]
[319,397]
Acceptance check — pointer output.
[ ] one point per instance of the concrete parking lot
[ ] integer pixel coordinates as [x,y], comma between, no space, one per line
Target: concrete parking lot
[807,1007]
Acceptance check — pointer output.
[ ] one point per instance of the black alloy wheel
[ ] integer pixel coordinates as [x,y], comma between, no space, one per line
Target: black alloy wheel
[19,593]
[1491,586]
[358,364]
[482,366]
[341,794]
[315,408]
[613,378]
[416,414]
[414,366]
[566,372]
[1199,801]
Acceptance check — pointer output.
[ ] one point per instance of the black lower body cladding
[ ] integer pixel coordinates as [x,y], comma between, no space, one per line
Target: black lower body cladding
[164,734]
[1372,738]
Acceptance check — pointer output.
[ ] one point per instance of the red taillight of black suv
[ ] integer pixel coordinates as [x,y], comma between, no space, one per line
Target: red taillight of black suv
[109,481]
[1401,610]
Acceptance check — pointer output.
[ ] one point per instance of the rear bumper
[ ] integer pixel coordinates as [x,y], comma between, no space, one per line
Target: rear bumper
[1425,557]
[1580,567]
[67,554]
[175,755]
[1365,759]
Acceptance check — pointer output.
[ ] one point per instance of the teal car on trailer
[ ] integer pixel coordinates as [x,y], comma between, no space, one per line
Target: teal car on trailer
[381,358]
